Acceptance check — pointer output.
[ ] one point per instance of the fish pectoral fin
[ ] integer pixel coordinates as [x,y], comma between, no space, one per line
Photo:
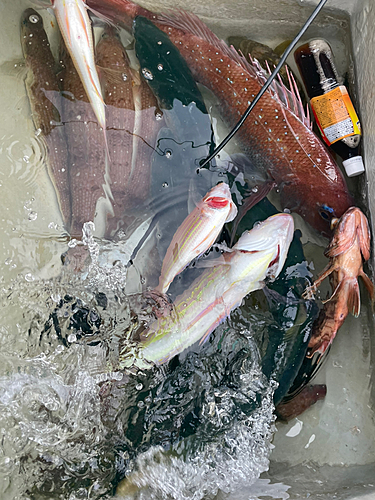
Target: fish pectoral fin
[308,294]
[354,298]
[207,263]
[102,17]
[344,235]
[368,284]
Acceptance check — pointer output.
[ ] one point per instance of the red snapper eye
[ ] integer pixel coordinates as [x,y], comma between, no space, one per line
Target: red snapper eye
[217,202]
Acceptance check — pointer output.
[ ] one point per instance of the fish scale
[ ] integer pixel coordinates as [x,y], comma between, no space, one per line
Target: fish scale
[44,95]
[132,126]
[275,138]
[85,146]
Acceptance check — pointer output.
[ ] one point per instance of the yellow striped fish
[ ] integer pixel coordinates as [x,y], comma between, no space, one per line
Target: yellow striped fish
[197,233]
[258,254]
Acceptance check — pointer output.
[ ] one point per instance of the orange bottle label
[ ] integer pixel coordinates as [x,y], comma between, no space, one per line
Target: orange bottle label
[335,115]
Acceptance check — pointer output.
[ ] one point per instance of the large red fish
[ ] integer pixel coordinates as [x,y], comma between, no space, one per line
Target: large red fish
[277,136]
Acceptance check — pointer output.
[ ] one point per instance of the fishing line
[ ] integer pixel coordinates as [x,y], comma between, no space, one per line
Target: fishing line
[225,141]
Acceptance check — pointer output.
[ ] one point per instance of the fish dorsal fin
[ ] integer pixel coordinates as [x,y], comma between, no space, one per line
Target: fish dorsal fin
[190,23]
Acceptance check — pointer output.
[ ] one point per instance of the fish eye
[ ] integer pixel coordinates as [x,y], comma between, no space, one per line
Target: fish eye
[324,215]
[326,212]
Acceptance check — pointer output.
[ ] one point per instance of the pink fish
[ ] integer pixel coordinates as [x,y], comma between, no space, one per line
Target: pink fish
[197,233]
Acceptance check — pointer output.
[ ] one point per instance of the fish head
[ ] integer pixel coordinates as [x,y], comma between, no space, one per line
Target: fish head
[317,200]
[272,236]
[31,21]
[220,199]
[352,229]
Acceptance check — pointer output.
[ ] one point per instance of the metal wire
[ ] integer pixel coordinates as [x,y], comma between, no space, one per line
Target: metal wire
[266,85]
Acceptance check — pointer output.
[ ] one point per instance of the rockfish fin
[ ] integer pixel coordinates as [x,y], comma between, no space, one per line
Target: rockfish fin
[354,298]
[208,263]
[308,294]
[368,284]
[190,23]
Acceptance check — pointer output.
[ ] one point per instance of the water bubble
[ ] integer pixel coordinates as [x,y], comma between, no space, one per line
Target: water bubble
[34,18]
[124,77]
[38,131]
[160,67]
[255,189]
[56,297]
[140,404]
[165,184]
[158,115]
[168,153]
[8,261]
[72,243]
[147,74]
[139,387]
[160,42]
[79,117]
[29,277]
[26,159]
[32,215]
[72,338]
[287,211]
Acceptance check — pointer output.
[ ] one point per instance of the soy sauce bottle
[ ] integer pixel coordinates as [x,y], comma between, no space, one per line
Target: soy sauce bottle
[330,102]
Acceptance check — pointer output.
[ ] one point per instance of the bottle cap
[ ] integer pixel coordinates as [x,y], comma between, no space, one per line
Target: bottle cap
[354,166]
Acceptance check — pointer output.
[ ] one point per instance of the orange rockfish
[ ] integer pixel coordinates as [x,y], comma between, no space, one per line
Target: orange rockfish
[197,233]
[75,26]
[350,243]
[277,136]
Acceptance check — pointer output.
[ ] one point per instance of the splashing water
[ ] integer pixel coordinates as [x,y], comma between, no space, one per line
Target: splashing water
[72,422]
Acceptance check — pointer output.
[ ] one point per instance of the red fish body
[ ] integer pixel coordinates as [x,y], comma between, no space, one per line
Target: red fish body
[306,398]
[277,136]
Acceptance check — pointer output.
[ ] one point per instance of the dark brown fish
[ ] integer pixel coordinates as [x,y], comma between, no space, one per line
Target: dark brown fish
[132,127]
[44,96]
[298,404]
[350,244]
[86,147]
[277,136]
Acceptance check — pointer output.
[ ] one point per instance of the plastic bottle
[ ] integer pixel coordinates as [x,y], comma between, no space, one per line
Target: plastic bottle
[330,102]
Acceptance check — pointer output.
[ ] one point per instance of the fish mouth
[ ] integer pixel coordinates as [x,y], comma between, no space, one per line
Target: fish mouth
[217,202]
[220,190]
